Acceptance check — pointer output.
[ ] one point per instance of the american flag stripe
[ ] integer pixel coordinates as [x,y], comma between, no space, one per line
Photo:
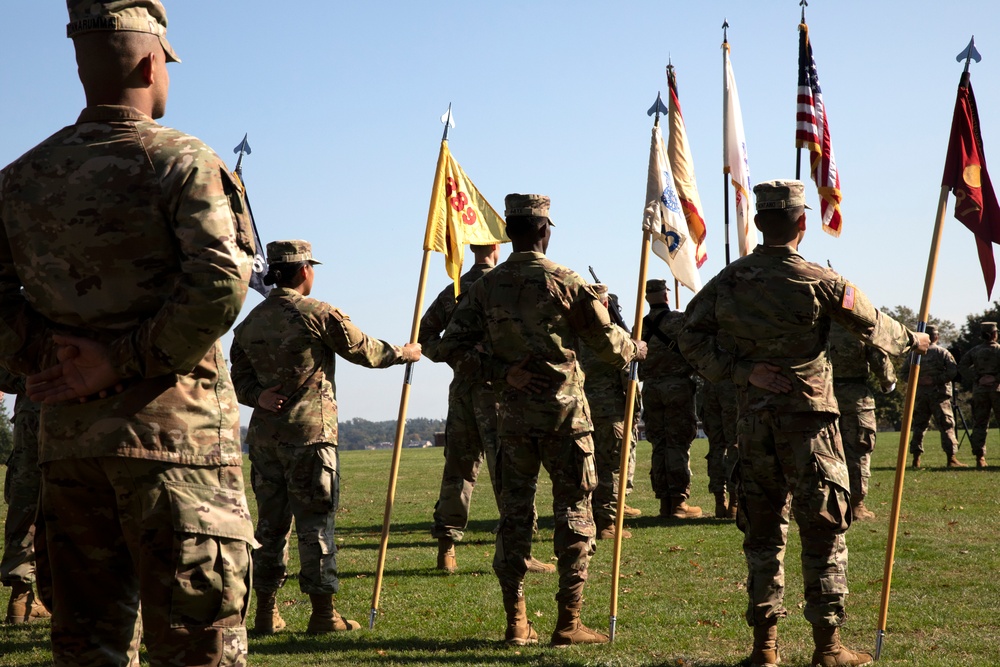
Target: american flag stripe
[812,131]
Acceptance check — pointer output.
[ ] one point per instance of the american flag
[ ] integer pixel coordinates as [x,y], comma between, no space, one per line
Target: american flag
[812,131]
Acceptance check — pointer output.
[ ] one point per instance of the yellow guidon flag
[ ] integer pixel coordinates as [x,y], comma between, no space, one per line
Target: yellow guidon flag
[459,215]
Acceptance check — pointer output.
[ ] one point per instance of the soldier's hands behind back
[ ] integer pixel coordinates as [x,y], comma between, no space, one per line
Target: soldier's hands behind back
[520,378]
[84,369]
[769,377]
[271,400]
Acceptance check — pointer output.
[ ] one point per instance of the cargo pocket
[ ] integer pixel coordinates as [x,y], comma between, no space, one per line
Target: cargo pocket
[324,486]
[579,519]
[213,536]
[829,502]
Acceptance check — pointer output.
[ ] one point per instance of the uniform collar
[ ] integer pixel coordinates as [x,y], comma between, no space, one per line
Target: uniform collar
[775,250]
[104,113]
[525,256]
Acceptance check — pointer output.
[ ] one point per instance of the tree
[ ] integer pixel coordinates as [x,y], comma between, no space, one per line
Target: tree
[6,434]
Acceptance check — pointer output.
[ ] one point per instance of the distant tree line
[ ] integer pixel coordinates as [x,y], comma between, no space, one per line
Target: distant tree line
[360,433]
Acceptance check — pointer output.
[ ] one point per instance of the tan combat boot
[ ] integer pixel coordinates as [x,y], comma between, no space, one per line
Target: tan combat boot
[665,508]
[446,555]
[765,646]
[679,509]
[862,513]
[569,630]
[267,620]
[721,511]
[538,567]
[519,629]
[23,607]
[953,462]
[608,533]
[831,653]
[916,461]
[324,617]
[632,512]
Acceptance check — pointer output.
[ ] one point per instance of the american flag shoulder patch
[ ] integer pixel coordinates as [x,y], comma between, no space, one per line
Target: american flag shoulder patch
[848,302]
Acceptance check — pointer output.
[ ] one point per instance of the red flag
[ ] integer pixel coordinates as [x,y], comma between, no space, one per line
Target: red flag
[965,174]
[812,131]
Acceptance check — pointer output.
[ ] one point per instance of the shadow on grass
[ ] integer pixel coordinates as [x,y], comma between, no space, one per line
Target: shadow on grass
[23,640]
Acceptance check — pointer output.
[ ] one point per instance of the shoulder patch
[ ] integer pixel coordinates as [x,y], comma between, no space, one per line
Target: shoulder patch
[339,315]
[848,302]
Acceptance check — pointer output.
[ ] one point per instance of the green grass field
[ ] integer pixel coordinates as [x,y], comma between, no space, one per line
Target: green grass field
[682,588]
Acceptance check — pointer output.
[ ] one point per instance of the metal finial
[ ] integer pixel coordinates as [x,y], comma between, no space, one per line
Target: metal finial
[803,4]
[242,149]
[449,122]
[657,108]
[970,53]
[725,31]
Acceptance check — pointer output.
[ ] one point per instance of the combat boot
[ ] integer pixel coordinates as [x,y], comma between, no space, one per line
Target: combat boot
[862,513]
[831,653]
[765,645]
[538,567]
[679,509]
[916,461]
[665,505]
[569,630]
[608,533]
[953,462]
[632,512]
[733,507]
[520,630]
[446,555]
[267,620]
[981,461]
[23,607]
[721,511]
[324,617]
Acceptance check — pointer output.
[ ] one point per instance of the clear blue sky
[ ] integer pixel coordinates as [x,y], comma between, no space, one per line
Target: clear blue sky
[341,101]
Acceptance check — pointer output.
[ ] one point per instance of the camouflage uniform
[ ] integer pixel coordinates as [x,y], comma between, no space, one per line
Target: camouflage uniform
[606,388]
[718,412]
[471,427]
[292,340]
[982,360]
[777,308]
[668,392]
[530,308]
[21,488]
[134,235]
[852,362]
[933,399]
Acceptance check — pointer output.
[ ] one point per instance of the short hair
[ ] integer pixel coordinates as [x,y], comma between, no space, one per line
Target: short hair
[282,274]
[780,220]
[522,224]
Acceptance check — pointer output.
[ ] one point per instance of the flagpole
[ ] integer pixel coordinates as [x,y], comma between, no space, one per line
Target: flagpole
[904,432]
[677,294]
[798,149]
[633,386]
[725,134]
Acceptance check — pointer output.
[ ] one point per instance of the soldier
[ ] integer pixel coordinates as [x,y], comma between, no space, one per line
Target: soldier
[668,392]
[606,388]
[21,489]
[471,427]
[981,367]
[284,355]
[852,362]
[526,312]
[125,255]
[718,413]
[933,398]
[775,311]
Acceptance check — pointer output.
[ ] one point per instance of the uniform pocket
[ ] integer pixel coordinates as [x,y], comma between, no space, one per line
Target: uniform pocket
[829,500]
[581,521]
[213,536]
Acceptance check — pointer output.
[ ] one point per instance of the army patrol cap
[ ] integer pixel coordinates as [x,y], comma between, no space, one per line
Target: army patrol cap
[147,16]
[533,205]
[654,285]
[931,330]
[780,195]
[289,252]
[987,327]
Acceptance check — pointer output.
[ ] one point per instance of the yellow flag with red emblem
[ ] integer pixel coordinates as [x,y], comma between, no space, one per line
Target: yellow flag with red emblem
[459,215]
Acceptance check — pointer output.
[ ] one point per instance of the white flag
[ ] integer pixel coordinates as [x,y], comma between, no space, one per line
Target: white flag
[664,218]
[734,158]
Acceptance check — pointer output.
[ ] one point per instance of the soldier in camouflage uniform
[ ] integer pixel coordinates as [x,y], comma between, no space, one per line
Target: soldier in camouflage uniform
[933,399]
[775,310]
[668,391]
[284,355]
[718,413]
[526,312]
[852,362]
[124,257]
[606,388]
[980,366]
[471,427]
[20,491]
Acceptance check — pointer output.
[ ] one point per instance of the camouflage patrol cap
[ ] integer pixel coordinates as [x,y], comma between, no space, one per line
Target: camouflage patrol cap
[288,252]
[931,330]
[987,327]
[654,285]
[533,205]
[780,195]
[147,16]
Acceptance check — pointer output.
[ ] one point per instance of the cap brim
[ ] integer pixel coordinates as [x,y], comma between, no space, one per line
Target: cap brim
[169,51]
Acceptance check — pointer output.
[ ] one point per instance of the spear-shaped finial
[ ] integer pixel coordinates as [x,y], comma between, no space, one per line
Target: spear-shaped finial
[449,122]
[243,149]
[970,53]
[725,31]
[803,4]
[657,108]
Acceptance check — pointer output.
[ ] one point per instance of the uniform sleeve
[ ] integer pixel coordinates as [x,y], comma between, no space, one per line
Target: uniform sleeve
[881,366]
[698,341]
[248,388]
[350,342]
[11,383]
[434,322]
[849,306]
[592,323]
[213,239]
[466,330]
[950,367]
[965,367]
